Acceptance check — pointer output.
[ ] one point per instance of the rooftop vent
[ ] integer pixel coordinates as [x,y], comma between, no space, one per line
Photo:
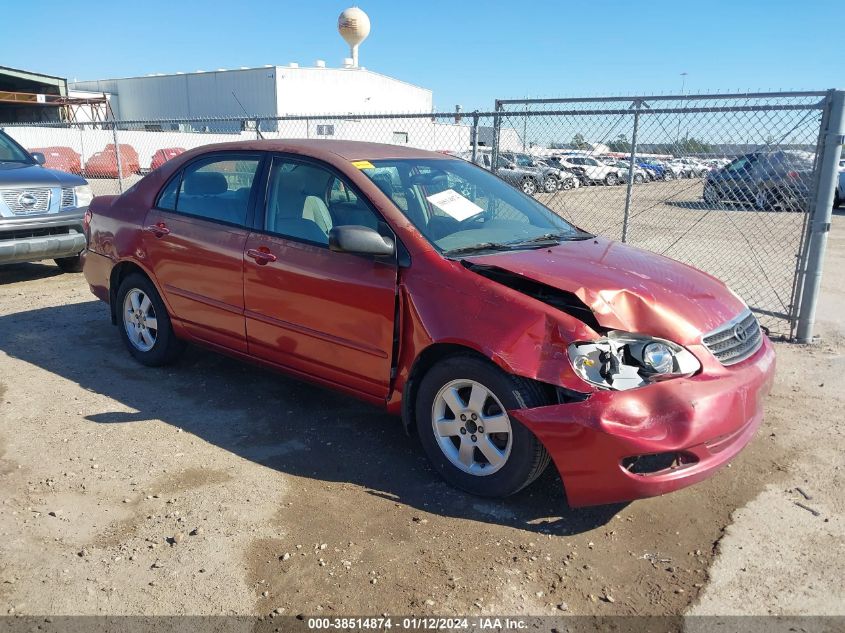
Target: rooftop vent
[293,65]
[320,63]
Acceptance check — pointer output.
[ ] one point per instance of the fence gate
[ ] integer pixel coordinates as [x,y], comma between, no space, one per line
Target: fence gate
[749,229]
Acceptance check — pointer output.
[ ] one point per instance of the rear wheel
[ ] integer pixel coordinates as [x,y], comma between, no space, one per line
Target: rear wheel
[463,425]
[668,175]
[638,178]
[611,179]
[550,184]
[529,187]
[146,329]
[70,264]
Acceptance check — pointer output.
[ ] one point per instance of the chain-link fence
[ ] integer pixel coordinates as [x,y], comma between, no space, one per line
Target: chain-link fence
[725,183]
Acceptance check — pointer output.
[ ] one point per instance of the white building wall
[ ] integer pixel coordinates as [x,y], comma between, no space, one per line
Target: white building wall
[346,90]
[191,95]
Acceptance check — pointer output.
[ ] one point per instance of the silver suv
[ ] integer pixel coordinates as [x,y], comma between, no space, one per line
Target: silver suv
[41,210]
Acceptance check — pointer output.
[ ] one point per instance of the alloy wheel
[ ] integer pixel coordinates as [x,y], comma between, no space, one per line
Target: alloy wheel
[139,320]
[471,427]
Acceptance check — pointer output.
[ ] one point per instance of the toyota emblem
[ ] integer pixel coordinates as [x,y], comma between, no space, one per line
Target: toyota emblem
[27,200]
[740,334]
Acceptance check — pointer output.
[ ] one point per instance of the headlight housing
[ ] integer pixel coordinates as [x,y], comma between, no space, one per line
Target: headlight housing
[83,195]
[622,360]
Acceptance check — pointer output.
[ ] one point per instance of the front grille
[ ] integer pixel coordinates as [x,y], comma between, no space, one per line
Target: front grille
[736,340]
[25,201]
[68,199]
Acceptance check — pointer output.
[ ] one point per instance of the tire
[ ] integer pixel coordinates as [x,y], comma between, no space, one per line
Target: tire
[566,184]
[551,184]
[611,179]
[638,179]
[142,313]
[668,175]
[763,201]
[529,187]
[70,264]
[518,456]
[711,195]
[837,201]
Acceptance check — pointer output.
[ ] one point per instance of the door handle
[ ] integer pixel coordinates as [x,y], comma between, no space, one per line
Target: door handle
[159,230]
[261,255]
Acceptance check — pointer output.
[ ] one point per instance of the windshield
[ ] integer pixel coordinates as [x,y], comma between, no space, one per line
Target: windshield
[523,160]
[10,152]
[459,207]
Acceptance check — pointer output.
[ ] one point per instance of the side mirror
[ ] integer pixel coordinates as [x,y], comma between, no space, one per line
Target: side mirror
[39,158]
[361,240]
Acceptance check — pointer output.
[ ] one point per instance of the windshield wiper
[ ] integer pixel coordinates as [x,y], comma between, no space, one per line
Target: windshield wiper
[555,238]
[481,246]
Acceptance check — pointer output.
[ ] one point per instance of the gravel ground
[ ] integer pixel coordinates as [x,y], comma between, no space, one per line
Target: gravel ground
[214,487]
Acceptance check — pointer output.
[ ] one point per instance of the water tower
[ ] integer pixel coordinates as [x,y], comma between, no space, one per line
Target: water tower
[353,26]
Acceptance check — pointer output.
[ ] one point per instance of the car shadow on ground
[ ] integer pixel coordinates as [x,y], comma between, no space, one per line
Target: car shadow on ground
[263,416]
[13,273]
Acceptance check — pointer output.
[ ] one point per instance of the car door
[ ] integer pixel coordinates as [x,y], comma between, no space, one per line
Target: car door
[326,314]
[507,170]
[194,243]
[737,180]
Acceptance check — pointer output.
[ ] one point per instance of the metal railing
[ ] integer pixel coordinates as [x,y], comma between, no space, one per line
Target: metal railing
[657,157]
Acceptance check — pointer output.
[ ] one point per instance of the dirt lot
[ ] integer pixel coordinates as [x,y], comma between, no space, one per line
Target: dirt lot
[214,487]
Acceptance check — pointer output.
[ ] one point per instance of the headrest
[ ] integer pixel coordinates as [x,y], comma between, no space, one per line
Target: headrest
[210,183]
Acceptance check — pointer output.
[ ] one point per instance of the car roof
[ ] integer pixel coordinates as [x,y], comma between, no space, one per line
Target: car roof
[323,148]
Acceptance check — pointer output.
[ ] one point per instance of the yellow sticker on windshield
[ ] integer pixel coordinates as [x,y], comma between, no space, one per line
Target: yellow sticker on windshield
[363,164]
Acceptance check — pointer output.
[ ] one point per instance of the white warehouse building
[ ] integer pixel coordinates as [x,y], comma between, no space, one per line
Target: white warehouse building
[268,91]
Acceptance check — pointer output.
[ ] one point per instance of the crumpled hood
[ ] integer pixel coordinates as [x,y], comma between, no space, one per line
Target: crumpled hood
[628,288]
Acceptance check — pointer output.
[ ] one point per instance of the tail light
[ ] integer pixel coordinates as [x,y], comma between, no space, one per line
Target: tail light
[86,224]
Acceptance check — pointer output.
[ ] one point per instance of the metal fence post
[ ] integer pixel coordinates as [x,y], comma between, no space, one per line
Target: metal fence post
[630,189]
[474,136]
[497,128]
[82,149]
[118,157]
[834,136]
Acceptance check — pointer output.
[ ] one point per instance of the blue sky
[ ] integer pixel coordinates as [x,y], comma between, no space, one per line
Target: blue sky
[466,52]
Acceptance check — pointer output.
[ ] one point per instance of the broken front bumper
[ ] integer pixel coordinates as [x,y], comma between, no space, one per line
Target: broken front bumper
[681,430]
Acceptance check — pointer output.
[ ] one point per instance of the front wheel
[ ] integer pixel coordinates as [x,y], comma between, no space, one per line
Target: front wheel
[550,184]
[70,264]
[668,175]
[611,179]
[529,187]
[145,325]
[638,178]
[463,425]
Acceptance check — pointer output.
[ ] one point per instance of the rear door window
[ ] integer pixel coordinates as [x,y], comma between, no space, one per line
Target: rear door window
[216,189]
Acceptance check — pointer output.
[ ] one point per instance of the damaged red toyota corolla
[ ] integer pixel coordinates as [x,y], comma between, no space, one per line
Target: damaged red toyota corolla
[502,334]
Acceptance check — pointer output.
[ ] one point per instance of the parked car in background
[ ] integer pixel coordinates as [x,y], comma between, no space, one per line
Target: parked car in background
[60,158]
[41,210]
[640,174]
[594,170]
[778,180]
[513,166]
[521,171]
[161,156]
[839,194]
[689,168]
[104,164]
[658,170]
[504,336]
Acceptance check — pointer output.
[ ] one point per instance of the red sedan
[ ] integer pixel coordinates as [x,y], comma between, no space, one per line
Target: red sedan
[502,334]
